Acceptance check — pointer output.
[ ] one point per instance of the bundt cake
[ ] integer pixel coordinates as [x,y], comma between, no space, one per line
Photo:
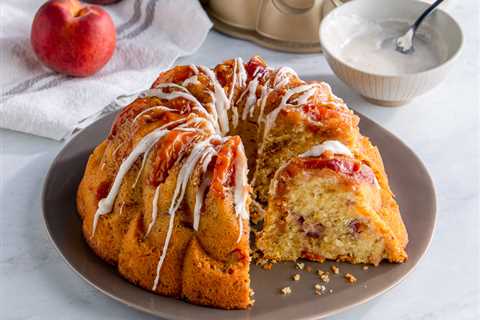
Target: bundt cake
[167,196]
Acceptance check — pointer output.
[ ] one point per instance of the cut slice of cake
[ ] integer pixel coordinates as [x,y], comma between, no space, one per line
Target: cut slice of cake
[325,204]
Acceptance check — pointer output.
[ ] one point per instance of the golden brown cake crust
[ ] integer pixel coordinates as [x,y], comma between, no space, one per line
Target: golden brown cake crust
[165,196]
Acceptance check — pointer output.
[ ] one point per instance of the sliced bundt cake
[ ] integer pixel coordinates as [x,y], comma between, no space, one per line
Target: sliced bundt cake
[165,197]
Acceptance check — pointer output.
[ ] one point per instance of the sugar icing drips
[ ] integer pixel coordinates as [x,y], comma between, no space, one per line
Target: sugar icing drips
[334,146]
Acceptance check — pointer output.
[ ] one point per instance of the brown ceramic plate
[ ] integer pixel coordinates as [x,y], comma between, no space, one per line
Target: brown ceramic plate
[409,180]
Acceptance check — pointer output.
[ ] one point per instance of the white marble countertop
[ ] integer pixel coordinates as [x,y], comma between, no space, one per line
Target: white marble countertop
[442,127]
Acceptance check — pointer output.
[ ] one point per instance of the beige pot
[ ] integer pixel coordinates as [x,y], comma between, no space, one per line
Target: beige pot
[286,25]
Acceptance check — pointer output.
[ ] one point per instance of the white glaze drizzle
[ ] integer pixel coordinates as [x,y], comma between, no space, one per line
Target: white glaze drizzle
[144,160]
[196,121]
[191,80]
[212,108]
[158,92]
[240,193]
[235,117]
[164,251]
[263,101]
[105,205]
[242,95]
[146,143]
[334,146]
[206,159]
[282,83]
[252,96]
[182,180]
[242,81]
[272,116]
[145,155]
[163,108]
[222,104]
[186,171]
[244,92]
[171,85]
[234,81]
[256,72]
[293,91]
[194,68]
[303,98]
[240,228]
[242,78]
[281,77]
[154,210]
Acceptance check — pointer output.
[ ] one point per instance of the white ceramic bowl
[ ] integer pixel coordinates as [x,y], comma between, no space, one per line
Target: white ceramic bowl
[384,89]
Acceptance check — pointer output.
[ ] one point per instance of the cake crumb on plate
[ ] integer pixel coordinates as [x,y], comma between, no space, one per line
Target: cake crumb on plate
[286,290]
[319,289]
[320,272]
[335,269]
[350,278]
[325,277]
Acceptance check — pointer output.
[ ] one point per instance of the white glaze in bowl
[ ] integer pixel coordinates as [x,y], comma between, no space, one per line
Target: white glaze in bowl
[383,88]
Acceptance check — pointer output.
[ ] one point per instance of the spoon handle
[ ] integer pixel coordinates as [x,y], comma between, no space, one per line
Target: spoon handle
[426,13]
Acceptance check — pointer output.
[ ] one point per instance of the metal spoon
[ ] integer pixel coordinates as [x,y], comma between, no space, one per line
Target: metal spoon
[404,44]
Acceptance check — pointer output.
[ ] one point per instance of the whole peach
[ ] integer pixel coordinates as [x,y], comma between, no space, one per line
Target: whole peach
[72,38]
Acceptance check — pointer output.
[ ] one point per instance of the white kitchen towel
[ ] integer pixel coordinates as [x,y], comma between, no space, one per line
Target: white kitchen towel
[151,35]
